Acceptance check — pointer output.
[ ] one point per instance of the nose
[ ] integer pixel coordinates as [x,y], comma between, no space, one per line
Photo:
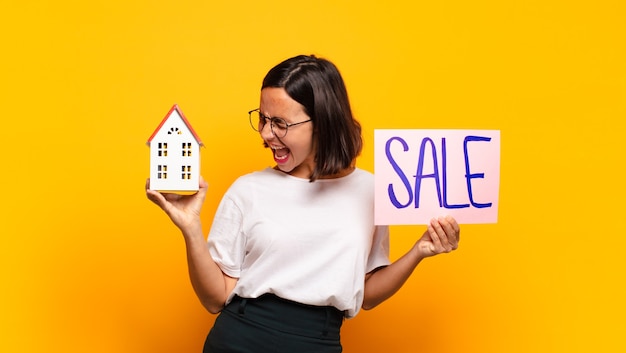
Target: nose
[266,131]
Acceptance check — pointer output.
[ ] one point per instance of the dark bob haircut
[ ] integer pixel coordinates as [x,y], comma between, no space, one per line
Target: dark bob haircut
[317,84]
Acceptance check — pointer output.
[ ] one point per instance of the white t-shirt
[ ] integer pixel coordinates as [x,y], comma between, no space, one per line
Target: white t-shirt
[307,242]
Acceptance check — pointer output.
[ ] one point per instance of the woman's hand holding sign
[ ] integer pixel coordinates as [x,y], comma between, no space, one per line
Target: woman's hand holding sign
[442,236]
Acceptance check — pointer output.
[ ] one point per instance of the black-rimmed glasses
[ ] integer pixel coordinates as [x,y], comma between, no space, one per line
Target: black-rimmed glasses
[278,126]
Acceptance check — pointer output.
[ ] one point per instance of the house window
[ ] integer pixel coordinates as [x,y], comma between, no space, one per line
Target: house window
[186,172]
[186,149]
[162,149]
[174,130]
[161,172]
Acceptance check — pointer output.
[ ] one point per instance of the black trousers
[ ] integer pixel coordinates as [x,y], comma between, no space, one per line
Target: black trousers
[269,324]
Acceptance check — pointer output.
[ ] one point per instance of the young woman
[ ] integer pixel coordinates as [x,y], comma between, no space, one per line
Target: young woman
[293,249]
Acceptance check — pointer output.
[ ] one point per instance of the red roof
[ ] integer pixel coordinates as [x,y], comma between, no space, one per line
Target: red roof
[175,107]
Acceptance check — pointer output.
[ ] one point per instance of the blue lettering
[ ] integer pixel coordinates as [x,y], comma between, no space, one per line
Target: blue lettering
[445,177]
[469,176]
[413,195]
[397,169]
[419,174]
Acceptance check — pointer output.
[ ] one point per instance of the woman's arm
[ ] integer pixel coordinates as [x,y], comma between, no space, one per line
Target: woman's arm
[211,285]
[442,236]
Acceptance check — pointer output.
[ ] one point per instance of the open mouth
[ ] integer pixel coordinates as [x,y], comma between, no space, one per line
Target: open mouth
[280,153]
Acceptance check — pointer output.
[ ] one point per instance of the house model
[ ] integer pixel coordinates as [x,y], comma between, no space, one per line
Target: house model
[174,155]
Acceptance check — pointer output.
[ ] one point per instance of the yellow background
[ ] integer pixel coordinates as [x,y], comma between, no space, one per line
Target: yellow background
[88,264]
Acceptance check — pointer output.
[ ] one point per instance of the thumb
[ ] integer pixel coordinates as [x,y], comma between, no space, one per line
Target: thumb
[427,248]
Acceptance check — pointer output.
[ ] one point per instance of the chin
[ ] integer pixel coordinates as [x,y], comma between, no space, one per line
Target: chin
[284,168]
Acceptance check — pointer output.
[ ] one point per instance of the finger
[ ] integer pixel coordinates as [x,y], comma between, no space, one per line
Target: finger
[202,183]
[450,232]
[202,188]
[455,227]
[155,197]
[442,228]
[434,232]
[171,197]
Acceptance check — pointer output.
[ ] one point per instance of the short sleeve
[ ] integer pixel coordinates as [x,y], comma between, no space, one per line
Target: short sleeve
[379,254]
[226,241]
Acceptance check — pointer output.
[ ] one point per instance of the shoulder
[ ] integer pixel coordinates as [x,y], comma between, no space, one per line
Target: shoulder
[362,173]
[256,176]
[253,181]
[359,182]
[362,176]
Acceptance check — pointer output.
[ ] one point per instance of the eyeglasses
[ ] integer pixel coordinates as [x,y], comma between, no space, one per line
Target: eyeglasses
[278,126]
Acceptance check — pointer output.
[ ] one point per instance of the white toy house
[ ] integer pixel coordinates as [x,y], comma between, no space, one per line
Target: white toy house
[174,155]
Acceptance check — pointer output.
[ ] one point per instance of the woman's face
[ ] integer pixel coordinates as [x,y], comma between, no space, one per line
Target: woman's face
[295,152]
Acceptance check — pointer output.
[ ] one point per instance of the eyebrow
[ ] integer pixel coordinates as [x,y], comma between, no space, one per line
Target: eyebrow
[271,117]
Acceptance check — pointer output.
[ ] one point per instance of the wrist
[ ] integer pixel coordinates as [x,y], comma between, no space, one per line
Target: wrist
[423,250]
[192,229]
